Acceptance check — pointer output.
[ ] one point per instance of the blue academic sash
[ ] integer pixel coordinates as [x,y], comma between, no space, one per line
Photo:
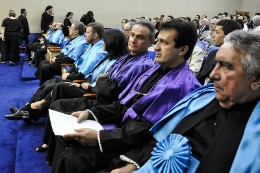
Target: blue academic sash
[74,43]
[57,37]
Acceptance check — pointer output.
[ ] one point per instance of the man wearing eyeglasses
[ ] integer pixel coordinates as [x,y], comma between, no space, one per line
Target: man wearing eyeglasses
[127,30]
[143,103]
[207,35]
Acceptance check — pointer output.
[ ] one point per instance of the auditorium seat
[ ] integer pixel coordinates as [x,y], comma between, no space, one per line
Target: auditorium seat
[202,44]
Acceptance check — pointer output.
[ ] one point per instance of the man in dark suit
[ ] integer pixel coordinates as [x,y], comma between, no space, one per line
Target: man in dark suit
[204,26]
[24,34]
[47,18]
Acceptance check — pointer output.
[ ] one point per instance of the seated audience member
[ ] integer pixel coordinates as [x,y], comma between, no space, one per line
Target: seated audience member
[169,18]
[67,23]
[223,28]
[196,22]
[240,22]
[124,21]
[207,35]
[256,21]
[188,19]
[156,24]
[141,105]
[47,69]
[246,21]
[219,16]
[204,26]
[198,18]
[234,14]
[241,18]
[148,19]
[88,18]
[127,30]
[57,38]
[196,59]
[228,112]
[132,20]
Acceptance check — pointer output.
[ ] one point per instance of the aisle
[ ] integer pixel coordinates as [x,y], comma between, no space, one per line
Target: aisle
[18,140]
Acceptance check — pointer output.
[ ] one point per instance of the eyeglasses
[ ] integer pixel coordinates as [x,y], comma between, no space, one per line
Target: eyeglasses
[126,29]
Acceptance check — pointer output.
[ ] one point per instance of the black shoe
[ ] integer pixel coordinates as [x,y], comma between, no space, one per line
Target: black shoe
[27,59]
[13,109]
[18,115]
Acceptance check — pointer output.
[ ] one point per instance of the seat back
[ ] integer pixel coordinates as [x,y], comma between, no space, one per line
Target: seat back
[211,47]
[202,44]
[152,52]
[64,42]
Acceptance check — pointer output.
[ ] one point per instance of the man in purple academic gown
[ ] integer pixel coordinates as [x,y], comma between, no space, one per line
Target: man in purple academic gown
[143,102]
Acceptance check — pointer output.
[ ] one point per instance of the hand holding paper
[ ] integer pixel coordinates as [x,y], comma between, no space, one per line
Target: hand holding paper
[86,136]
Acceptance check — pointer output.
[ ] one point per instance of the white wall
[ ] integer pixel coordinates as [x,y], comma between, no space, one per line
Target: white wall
[251,6]
[111,12]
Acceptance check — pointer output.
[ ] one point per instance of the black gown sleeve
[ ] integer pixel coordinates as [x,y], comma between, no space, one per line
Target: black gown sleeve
[106,89]
[108,114]
[61,59]
[131,135]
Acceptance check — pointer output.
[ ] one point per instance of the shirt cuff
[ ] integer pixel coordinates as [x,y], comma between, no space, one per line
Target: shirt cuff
[124,158]
[99,143]
[93,115]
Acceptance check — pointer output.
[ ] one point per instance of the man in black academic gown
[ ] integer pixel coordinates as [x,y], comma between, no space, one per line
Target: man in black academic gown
[24,34]
[91,151]
[224,27]
[47,18]
[220,121]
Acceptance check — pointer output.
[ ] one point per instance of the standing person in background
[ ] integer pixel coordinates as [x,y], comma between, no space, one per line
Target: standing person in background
[87,18]
[47,18]
[24,34]
[67,23]
[10,35]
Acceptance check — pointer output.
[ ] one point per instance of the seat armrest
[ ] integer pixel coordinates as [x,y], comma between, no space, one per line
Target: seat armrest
[55,50]
[79,81]
[90,96]
[64,65]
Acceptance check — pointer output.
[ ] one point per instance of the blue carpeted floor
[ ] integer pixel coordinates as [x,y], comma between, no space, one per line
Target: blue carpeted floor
[19,140]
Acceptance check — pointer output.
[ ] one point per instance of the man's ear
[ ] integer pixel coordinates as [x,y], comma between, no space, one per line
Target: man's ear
[184,50]
[95,36]
[151,42]
[255,85]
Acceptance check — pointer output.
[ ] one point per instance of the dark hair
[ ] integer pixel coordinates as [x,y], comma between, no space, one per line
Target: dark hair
[229,26]
[205,16]
[115,43]
[235,11]
[132,20]
[219,14]
[197,23]
[198,16]
[188,19]
[89,16]
[97,28]
[186,34]
[248,17]
[48,7]
[68,14]
[51,23]
[162,15]
[226,14]
[22,10]
[215,17]
[257,14]
[171,17]
[240,14]
[142,17]
[126,21]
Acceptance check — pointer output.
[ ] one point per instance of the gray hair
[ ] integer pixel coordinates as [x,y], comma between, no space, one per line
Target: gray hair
[149,25]
[80,27]
[11,13]
[247,44]
[206,19]
[256,20]
[215,20]
[131,25]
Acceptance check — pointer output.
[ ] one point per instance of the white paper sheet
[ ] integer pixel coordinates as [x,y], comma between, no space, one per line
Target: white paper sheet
[63,124]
